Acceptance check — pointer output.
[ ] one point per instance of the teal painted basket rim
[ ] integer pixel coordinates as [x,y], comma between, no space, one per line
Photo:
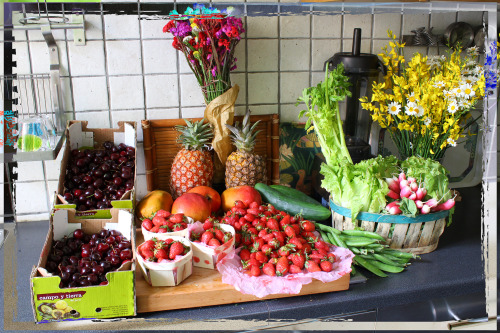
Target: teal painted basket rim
[387,218]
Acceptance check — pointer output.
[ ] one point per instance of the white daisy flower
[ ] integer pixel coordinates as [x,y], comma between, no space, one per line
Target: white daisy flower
[411,109]
[471,63]
[465,104]
[451,142]
[411,98]
[448,94]
[457,92]
[394,108]
[471,79]
[466,71]
[474,50]
[420,110]
[427,121]
[452,107]
[439,84]
[478,70]
[467,90]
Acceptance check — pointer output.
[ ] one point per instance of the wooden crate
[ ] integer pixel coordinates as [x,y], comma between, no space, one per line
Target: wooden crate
[160,147]
[416,235]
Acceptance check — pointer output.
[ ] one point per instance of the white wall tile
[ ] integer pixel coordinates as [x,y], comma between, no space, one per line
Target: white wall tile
[295,26]
[262,26]
[292,85]
[317,77]
[22,58]
[67,94]
[195,112]
[322,50]
[290,113]
[240,55]
[384,22]
[98,119]
[159,57]
[29,171]
[190,91]
[264,109]
[129,115]
[262,55]
[295,54]
[326,26]
[163,113]
[93,27]
[161,91]
[52,167]
[90,93]
[88,59]
[154,29]
[33,217]
[40,60]
[141,167]
[473,18]
[240,80]
[440,21]
[262,88]
[414,21]
[363,21]
[183,64]
[240,110]
[31,197]
[126,92]
[121,26]
[142,189]
[123,57]
[365,46]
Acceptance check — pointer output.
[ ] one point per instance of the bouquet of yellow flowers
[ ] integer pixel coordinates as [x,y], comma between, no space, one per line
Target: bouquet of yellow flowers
[425,103]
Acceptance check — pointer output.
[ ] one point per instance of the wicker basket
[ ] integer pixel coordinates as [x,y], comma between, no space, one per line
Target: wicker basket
[160,147]
[410,234]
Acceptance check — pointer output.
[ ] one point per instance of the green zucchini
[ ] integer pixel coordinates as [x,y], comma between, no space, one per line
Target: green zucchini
[291,192]
[293,205]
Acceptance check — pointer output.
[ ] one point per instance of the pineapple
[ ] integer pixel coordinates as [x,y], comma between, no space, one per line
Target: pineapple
[243,167]
[193,165]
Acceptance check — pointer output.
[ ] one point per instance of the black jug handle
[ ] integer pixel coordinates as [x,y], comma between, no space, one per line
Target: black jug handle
[381,67]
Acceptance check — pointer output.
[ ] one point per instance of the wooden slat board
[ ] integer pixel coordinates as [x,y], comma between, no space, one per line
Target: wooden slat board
[205,288]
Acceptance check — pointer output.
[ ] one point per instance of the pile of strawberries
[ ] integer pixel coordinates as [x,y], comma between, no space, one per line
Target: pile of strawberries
[164,221]
[158,250]
[275,243]
[212,235]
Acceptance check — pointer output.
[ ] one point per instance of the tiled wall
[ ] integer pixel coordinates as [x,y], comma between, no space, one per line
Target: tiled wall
[128,69]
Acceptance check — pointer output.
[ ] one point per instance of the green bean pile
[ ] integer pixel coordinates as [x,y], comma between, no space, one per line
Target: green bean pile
[369,252]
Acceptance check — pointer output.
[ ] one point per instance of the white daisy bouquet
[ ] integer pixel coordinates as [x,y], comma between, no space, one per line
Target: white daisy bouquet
[425,104]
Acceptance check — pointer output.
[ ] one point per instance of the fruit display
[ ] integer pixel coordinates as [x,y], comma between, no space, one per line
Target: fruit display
[293,201]
[159,250]
[95,177]
[57,310]
[212,235]
[193,165]
[246,194]
[193,205]
[244,167]
[210,194]
[163,224]
[82,260]
[153,202]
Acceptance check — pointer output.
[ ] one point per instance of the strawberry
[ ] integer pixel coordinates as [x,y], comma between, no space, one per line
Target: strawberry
[149,244]
[147,224]
[254,271]
[311,266]
[306,248]
[253,262]
[295,269]
[269,269]
[282,266]
[254,205]
[148,254]
[160,254]
[307,225]
[295,241]
[285,221]
[244,254]
[240,204]
[249,217]
[296,228]
[253,211]
[275,243]
[168,241]
[194,236]
[331,257]
[163,229]
[298,260]
[178,227]
[322,245]
[155,229]
[237,239]
[208,224]
[219,234]
[162,213]
[309,234]
[284,251]
[214,242]
[262,233]
[160,244]
[257,244]
[267,249]
[177,248]
[280,236]
[261,256]
[206,236]
[268,237]
[289,231]
[259,225]
[272,224]
[177,218]
[159,221]
[326,266]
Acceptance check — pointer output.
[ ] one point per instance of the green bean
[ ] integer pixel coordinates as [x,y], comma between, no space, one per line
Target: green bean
[324,236]
[357,242]
[385,267]
[326,228]
[401,254]
[363,233]
[396,259]
[387,261]
[353,270]
[358,238]
[338,240]
[364,263]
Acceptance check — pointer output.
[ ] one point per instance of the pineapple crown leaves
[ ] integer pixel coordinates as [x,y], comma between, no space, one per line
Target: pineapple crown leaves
[244,137]
[195,135]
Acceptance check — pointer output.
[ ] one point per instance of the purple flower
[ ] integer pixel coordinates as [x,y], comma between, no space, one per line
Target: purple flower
[214,72]
[181,29]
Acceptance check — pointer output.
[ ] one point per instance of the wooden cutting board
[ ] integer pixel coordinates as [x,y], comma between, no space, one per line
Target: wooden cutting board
[205,288]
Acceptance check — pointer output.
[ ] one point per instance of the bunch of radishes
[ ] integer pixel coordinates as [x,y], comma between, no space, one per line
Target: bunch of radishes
[407,187]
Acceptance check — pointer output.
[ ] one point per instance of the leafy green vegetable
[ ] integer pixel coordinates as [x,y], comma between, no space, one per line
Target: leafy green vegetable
[432,173]
[408,207]
[322,103]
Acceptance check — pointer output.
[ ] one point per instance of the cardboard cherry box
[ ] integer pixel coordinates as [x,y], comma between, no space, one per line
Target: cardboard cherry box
[116,299]
[79,136]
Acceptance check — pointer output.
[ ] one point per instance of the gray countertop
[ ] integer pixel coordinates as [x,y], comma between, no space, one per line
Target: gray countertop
[454,269]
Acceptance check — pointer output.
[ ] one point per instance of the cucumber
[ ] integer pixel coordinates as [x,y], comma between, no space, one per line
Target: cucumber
[291,192]
[292,204]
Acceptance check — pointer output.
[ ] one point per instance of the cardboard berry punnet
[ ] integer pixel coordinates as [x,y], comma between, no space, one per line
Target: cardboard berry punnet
[116,299]
[79,136]
[207,256]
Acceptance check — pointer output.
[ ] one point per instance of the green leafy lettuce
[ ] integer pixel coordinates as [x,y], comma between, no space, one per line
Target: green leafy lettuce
[431,173]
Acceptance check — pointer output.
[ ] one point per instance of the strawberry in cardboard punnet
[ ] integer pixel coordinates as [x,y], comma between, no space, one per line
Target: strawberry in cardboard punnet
[211,242]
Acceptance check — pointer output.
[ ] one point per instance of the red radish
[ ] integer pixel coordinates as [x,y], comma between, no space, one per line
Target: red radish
[393,184]
[411,180]
[419,204]
[405,192]
[414,186]
[420,192]
[425,209]
[394,210]
[402,176]
[392,204]
[403,183]
[432,202]
[413,197]
[446,205]
[393,195]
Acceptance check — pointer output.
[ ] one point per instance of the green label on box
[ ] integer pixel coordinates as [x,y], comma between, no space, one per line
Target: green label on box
[116,299]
